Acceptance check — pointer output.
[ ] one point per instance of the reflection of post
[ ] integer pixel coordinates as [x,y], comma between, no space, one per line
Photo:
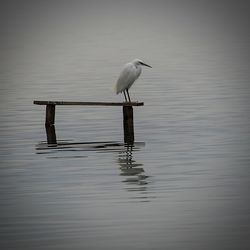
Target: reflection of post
[128,124]
[133,171]
[49,124]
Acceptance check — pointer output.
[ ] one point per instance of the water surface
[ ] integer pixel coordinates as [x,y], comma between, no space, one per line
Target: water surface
[184,184]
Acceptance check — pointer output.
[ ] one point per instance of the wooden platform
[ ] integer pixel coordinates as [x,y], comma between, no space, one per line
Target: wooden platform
[128,119]
[89,103]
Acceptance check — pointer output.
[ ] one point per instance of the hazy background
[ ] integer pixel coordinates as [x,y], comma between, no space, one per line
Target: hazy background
[33,34]
[195,125]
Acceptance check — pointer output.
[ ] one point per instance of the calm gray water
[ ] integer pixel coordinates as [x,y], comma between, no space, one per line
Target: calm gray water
[185,182]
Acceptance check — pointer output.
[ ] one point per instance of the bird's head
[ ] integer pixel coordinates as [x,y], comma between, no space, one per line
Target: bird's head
[137,62]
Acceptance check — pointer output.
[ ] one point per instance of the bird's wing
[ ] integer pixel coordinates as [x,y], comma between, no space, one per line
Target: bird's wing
[126,78]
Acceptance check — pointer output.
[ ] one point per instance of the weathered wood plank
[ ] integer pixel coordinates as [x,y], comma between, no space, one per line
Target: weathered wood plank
[88,103]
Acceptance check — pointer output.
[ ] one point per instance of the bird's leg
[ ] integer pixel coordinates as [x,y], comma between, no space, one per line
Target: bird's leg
[125,96]
[128,95]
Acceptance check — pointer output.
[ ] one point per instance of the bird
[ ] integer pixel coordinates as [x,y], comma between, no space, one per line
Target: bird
[129,74]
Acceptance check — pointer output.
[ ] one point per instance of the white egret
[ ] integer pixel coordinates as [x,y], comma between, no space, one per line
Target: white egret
[130,72]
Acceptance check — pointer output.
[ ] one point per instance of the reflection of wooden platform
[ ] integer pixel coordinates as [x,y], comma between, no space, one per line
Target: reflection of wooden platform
[128,122]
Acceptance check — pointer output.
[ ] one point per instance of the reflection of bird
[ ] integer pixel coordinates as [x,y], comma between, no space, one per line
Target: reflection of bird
[129,74]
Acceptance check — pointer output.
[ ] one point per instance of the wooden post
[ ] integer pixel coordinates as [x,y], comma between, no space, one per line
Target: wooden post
[49,124]
[128,124]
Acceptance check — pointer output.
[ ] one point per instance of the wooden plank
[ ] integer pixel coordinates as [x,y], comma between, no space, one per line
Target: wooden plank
[89,103]
[128,124]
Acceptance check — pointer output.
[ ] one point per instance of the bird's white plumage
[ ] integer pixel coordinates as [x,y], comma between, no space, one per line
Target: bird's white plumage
[130,72]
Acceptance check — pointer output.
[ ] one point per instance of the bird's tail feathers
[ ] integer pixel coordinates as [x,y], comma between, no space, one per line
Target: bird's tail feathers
[115,89]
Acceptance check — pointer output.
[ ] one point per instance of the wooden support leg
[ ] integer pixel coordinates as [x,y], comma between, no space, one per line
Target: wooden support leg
[49,124]
[128,124]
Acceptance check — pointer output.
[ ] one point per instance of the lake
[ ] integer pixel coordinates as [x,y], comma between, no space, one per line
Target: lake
[184,184]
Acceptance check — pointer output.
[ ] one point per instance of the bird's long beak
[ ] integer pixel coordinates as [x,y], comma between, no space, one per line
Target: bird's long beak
[146,65]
